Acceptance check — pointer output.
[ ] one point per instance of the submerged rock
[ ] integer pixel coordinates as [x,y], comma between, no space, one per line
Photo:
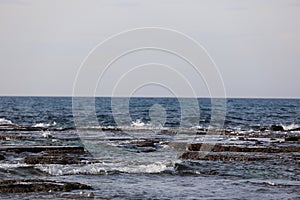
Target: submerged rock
[25,186]
[146,143]
[276,128]
[292,139]
[37,149]
[14,137]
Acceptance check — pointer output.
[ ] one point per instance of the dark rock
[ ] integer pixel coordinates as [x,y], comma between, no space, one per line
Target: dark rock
[146,150]
[292,139]
[219,157]
[25,186]
[146,143]
[111,129]
[295,129]
[2,157]
[37,149]
[262,129]
[63,129]
[14,137]
[227,148]
[62,160]
[276,128]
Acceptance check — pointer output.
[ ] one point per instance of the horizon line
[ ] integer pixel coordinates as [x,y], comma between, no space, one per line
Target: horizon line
[146,96]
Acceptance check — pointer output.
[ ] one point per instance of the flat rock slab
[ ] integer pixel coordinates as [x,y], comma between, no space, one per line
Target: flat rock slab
[62,160]
[193,155]
[14,137]
[258,149]
[25,186]
[37,149]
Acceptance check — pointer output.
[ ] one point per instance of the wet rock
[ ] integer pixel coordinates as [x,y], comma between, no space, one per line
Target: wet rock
[90,195]
[146,150]
[62,160]
[276,128]
[219,157]
[25,186]
[292,139]
[2,157]
[111,129]
[262,129]
[13,137]
[260,149]
[295,129]
[146,143]
[64,129]
[181,146]
[37,149]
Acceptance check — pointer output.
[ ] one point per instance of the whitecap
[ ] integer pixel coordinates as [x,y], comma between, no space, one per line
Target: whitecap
[44,125]
[4,121]
[137,123]
[291,126]
[104,169]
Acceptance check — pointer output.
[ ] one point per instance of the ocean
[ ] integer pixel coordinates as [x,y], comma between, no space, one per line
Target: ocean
[149,148]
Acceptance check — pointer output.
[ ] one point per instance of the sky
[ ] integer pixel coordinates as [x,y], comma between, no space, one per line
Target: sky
[255,44]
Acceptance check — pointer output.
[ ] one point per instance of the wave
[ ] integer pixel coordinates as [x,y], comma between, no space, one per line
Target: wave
[44,125]
[4,121]
[104,169]
[138,123]
[291,127]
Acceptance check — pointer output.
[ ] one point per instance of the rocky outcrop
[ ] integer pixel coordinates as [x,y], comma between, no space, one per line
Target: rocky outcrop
[292,139]
[62,160]
[222,152]
[276,128]
[37,149]
[25,186]
[260,149]
[194,155]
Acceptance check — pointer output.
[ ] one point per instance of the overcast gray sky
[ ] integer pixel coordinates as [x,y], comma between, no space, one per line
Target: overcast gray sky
[255,43]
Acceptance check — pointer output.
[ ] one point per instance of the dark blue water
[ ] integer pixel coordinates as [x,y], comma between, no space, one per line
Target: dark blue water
[121,170]
[242,114]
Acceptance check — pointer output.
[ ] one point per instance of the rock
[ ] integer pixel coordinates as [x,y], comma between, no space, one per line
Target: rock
[146,143]
[62,160]
[14,137]
[295,129]
[25,186]
[219,157]
[37,149]
[90,195]
[292,139]
[262,129]
[276,128]
[2,157]
[110,129]
[260,149]
[146,150]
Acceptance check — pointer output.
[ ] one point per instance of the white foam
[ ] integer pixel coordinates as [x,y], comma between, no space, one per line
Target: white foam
[290,126]
[44,125]
[137,123]
[10,166]
[98,168]
[4,121]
